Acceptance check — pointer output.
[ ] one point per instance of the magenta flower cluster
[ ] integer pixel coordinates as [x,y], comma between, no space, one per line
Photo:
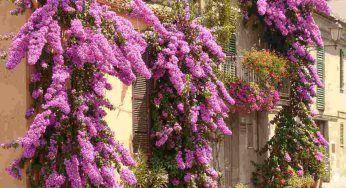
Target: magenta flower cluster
[249,97]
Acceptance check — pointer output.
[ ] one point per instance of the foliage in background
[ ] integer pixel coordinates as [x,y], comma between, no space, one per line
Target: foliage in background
[149,176]
[240,185]
[297,146]
[221,16]
[301,181]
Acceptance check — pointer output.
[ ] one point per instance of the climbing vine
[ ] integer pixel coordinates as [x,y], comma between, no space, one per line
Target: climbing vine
[72,46]
[297,147]
[190,104]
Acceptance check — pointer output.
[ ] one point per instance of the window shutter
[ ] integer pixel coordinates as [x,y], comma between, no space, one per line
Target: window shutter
[230,65]
[342,79]
[320,71]
[341,135]
[231,49]
[141,117]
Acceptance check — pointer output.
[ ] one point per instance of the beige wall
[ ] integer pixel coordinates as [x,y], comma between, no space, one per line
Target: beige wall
[335,105]
[120,119]
[12,99]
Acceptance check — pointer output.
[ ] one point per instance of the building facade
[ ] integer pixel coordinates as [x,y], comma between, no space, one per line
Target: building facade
[234,156]
[330,102]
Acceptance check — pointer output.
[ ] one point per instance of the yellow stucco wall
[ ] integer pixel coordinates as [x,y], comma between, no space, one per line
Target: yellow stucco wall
[12,99]
[120,119]
[335,106]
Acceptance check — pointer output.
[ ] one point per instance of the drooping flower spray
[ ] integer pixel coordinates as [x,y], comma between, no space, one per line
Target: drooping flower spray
[291,30]
[189,102]
[73,46]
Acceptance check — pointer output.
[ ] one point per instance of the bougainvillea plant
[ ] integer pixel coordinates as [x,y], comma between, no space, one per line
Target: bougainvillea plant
[190,103]
[72,47]
[290,30]
[294,152]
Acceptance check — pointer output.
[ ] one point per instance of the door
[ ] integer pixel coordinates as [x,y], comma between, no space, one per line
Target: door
[234,154]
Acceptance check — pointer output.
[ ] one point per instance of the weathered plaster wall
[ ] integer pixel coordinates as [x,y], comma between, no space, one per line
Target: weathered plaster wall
[335,108]
[12,99]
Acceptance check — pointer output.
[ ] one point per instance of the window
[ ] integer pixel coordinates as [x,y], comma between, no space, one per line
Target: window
[250,124]
[342,78]
[341,135]
[320,103]
[250,135]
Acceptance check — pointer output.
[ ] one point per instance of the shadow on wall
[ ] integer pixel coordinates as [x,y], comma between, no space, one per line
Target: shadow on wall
[12,99]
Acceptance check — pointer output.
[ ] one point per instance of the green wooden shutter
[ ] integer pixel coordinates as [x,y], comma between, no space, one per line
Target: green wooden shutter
[231,49]
[320,103]
[230,65]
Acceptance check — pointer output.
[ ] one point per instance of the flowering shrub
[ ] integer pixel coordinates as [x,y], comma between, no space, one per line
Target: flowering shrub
[268,67]
[73,45]
[260,95]
[149,176]
[251,97]
[290,29]
[189,102]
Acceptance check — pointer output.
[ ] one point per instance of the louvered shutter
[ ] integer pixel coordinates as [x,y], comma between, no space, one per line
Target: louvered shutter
[141,117]
[320,103]
[341,135]
[230,65]
[231,49]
